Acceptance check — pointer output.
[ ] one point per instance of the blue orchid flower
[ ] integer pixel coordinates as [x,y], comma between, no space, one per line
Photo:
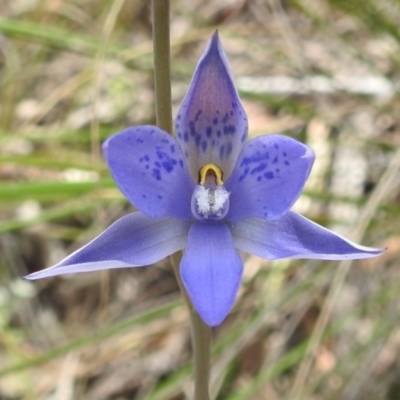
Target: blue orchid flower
[210,192]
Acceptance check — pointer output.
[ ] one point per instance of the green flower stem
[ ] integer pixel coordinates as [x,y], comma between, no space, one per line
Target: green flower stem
[162,68]
[201,333]
[201,341]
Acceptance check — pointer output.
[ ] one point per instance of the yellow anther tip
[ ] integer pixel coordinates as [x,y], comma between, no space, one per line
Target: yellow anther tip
[210,169]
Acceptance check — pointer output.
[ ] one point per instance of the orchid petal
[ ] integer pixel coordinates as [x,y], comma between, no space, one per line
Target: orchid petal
[148,166]
[132,241]
[294,236]
[211,270]
[268,177]
[212,125]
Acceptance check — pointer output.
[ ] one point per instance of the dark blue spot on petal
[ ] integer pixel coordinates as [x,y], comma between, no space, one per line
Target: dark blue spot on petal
[255,158]
[287,162]
[269,175]
[209,131]
[245,172]
[160,154]
[197,115]
[228,149]
[204,145]
[259,168]
[192,128]
[221,152]
[215,121]
[198,140]
[229,129]
[157,174]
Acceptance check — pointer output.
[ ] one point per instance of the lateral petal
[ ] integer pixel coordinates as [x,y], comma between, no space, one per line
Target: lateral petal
[294,236]
[132,241]
[269,176]
[148,166]
[211,125]
[211,270]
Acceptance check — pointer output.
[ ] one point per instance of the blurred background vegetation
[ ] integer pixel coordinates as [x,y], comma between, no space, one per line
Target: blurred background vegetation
[73,72]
